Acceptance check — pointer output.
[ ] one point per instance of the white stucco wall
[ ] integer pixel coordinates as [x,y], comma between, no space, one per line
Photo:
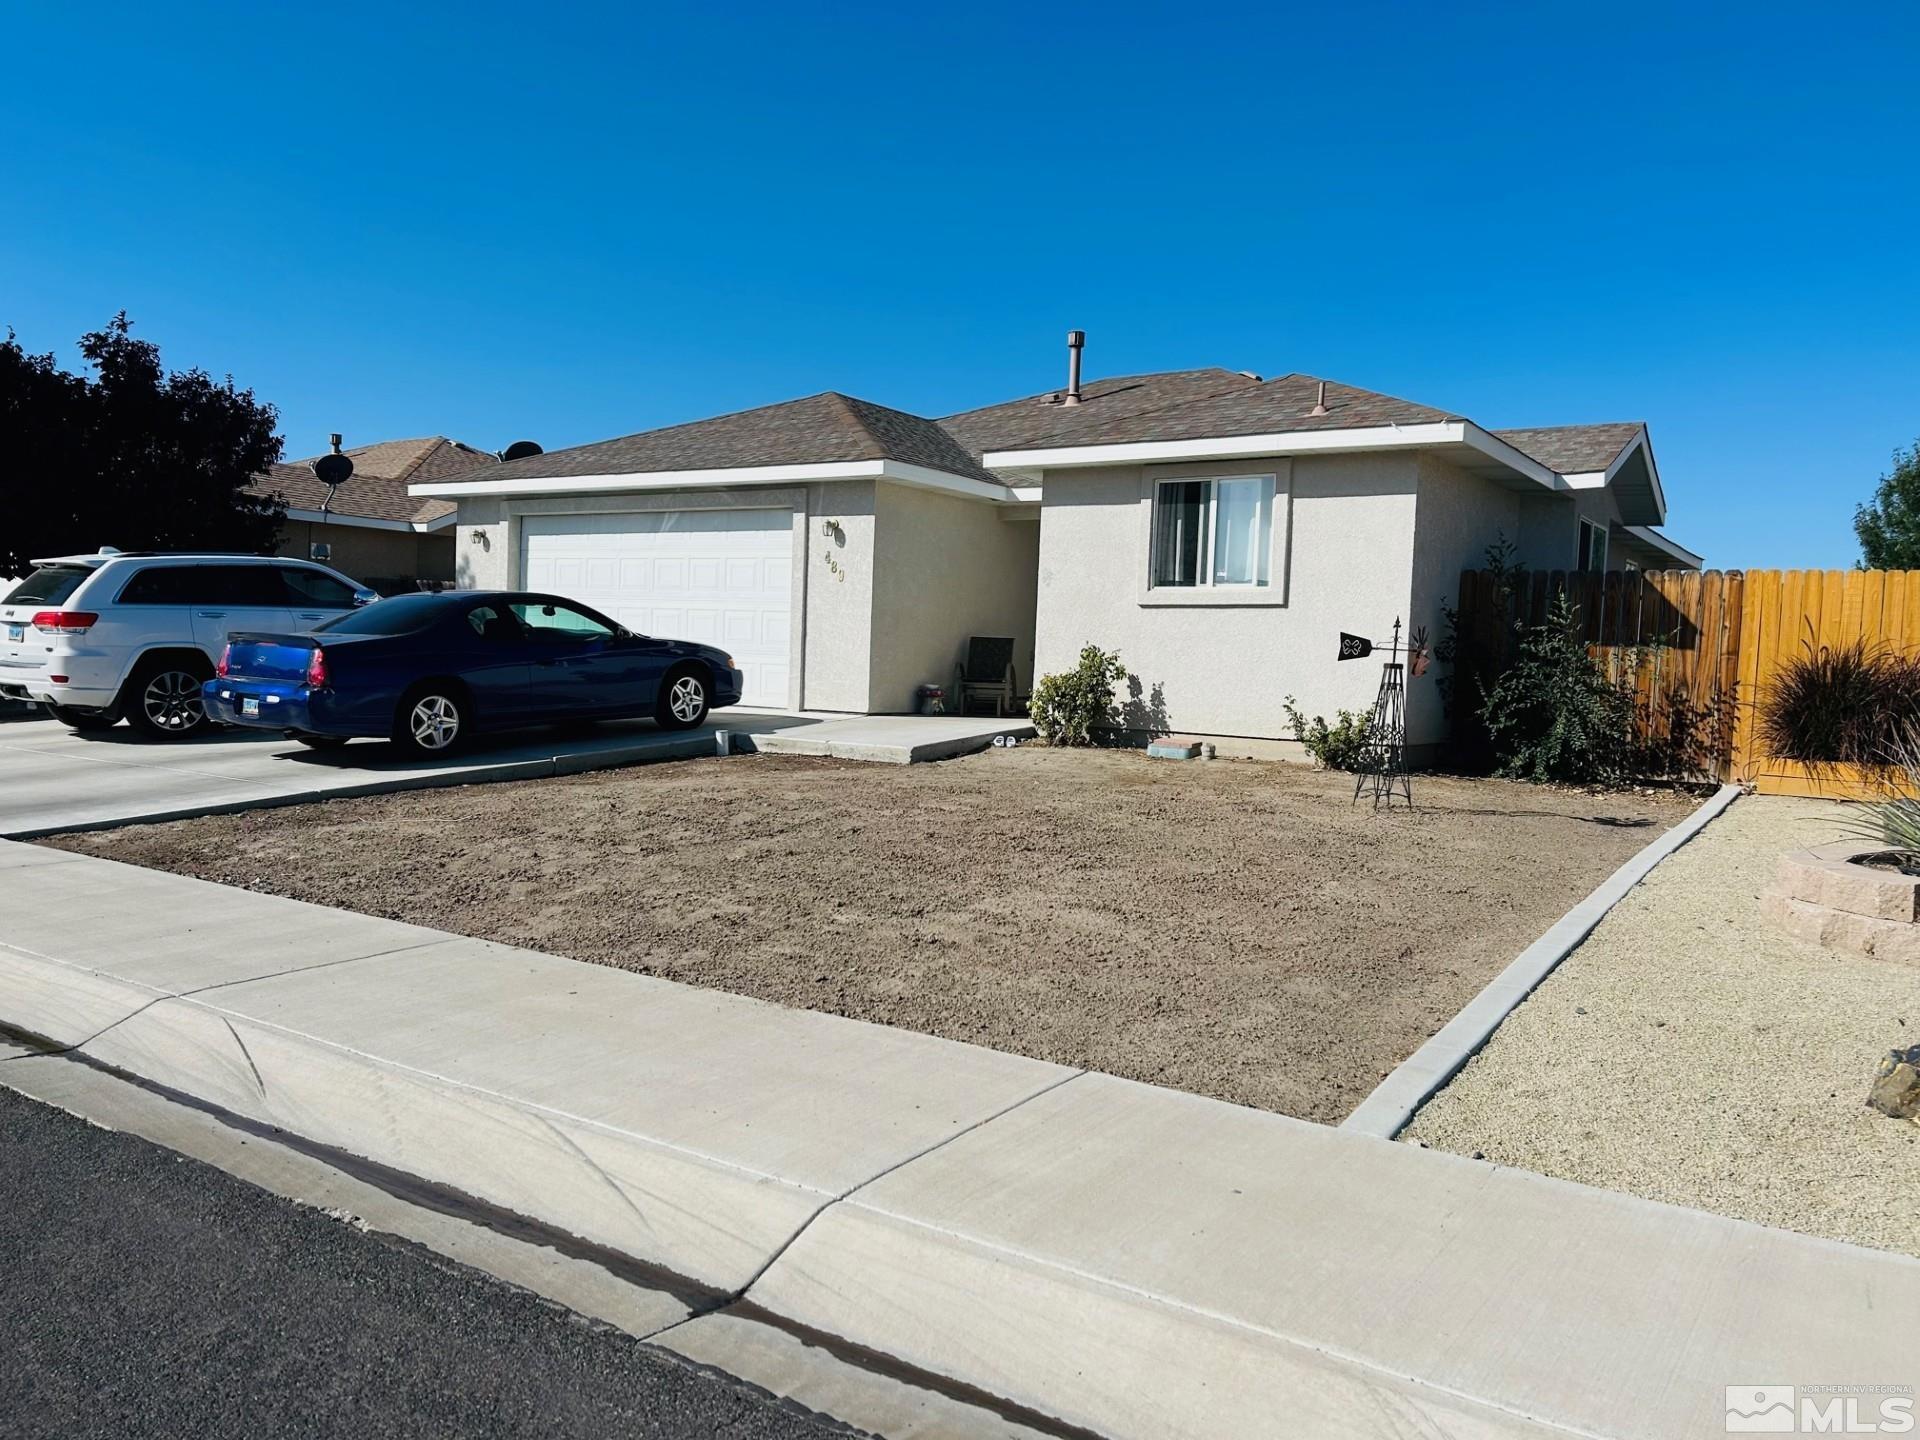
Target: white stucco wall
[1344,528]
[1457,517]
[837,672]
[948,568]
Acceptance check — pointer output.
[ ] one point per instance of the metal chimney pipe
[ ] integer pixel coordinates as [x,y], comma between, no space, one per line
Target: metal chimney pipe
[1076,342]
[1320,401]
[334,440]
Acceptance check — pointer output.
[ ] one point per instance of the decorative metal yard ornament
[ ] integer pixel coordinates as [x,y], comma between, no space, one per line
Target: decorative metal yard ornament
[1382,768]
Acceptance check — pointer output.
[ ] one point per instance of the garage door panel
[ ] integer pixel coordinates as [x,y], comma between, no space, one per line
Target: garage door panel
[719,577]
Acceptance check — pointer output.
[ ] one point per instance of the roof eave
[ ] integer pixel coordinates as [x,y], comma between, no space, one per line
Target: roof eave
[1426,435]
[1649,536]
[727,477]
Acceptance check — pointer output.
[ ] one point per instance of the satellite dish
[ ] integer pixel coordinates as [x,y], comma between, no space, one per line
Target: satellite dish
[520,450]
[333,470]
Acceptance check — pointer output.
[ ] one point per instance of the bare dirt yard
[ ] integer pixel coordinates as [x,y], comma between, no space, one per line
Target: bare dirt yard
[1238,929]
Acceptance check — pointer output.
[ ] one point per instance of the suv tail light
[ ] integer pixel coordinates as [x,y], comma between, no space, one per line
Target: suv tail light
[317,670]
[225,656]
[64,622]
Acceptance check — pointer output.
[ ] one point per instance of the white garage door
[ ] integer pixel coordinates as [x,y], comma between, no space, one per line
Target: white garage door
[722,577]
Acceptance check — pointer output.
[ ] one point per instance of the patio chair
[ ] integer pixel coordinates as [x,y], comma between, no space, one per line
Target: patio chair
[987,674]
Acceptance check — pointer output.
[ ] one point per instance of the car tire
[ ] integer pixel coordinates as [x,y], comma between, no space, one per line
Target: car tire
[432,720]
[683,700]
[84,720]
[162,699]
[319,742]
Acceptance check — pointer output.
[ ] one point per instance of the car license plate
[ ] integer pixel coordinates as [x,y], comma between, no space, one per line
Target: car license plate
[249,704]
[16,632]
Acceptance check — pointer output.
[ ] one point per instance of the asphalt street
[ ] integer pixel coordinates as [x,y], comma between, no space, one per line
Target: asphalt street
[146,1294]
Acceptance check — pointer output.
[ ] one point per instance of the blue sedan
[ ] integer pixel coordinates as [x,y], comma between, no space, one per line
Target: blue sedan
[427,671]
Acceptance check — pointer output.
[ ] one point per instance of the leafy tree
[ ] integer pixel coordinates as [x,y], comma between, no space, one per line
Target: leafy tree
[138,458]
[1553,715]
[1889,527]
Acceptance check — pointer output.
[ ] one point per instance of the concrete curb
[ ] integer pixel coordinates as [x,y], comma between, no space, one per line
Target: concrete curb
[541,768]
[1391,1106]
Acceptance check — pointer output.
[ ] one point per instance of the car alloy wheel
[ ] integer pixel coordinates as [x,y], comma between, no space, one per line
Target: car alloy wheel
[686,700]
[171,702]
[434,721]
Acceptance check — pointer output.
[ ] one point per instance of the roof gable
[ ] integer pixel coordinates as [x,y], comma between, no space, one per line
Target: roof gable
[1574,449]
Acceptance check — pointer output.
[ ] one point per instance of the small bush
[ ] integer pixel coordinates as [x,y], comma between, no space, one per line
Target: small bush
[1066,707]
[1554,715]
[1339,746]
[1840,705]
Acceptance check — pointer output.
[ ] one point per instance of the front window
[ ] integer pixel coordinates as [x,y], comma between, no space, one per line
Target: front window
[1213,532]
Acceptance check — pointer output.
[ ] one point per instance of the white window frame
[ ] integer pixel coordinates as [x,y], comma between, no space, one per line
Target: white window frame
[1600,532]
[1204,576]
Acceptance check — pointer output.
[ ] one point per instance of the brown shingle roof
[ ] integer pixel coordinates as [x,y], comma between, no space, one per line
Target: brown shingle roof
[1282,404]
[1574,449]
[819,429]
[1015,424]
[381,474]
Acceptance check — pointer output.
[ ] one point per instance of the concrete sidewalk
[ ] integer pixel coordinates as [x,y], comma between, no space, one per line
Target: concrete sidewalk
[1062,1252]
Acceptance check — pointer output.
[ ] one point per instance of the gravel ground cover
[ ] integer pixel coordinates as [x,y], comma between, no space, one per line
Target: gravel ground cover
[1233,928]
[1693,1052]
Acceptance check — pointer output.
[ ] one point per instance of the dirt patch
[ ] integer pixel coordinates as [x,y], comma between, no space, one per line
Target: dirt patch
[1232,928]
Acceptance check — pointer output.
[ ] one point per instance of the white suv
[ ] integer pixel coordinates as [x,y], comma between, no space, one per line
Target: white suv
[98,637]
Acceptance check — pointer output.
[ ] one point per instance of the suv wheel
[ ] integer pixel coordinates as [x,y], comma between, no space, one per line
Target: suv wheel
[163,699]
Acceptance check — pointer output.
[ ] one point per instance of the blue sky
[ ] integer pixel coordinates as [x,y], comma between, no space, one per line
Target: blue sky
[572,222]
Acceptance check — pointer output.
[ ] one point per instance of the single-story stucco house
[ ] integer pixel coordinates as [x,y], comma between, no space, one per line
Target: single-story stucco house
[374,530]
[1217,529]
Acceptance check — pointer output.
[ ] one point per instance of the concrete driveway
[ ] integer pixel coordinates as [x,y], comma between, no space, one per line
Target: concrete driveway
[52,779]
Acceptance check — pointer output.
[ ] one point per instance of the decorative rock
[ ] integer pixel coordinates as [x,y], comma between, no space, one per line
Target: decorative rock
[1896,1087]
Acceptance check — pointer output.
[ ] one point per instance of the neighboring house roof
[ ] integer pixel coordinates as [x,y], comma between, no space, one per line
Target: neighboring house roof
[1014,423]
[1574,449]
[381,474]
[819,429]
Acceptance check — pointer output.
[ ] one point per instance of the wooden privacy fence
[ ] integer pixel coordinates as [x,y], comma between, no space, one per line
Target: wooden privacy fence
[1701,651]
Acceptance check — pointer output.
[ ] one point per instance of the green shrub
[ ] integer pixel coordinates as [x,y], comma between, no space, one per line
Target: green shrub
[1554,715]
[1066,707]
[1844,704]
[1339,746]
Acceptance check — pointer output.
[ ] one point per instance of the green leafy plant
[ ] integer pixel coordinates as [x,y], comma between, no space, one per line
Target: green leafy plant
[1339,746]
[1066,707]
[1840,705]
[1553,715]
